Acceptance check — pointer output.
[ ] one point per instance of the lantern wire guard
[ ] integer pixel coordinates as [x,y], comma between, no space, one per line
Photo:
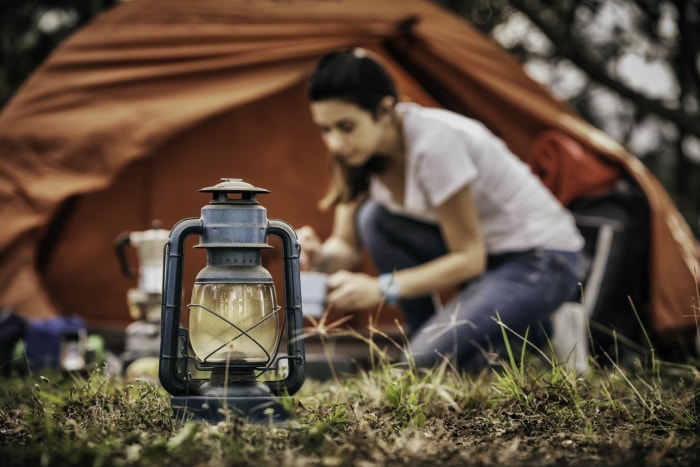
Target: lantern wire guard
[227,361]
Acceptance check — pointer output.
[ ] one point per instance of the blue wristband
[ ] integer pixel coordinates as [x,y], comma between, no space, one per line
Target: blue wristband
[389,288]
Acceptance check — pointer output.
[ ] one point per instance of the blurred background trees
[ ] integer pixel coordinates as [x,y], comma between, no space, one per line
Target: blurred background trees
[31,29]
[630,67]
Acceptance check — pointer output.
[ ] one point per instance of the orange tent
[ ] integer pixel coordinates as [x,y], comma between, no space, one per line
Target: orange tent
[155,99]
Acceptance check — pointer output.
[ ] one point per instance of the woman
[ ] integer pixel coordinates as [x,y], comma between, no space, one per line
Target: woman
[439,202]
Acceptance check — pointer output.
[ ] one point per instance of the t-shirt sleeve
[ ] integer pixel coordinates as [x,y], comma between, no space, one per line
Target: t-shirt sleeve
[444,166]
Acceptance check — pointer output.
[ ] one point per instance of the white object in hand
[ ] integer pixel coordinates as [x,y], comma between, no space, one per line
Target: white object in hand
[314,287]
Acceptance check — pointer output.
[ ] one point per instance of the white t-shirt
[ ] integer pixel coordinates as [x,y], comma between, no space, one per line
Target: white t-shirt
[446,151]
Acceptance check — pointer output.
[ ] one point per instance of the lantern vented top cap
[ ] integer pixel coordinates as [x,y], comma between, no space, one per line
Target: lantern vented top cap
[233,185]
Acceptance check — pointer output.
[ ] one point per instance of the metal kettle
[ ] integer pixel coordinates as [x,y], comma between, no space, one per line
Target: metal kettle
[142,336]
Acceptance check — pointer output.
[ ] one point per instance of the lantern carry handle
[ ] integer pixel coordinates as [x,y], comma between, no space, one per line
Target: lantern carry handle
[293,312]
[172,302]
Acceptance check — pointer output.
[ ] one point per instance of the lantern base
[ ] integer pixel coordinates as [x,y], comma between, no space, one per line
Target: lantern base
[212,409]
[244,398]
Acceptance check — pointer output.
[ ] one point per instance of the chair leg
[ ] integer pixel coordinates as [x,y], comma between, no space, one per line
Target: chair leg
[570,336]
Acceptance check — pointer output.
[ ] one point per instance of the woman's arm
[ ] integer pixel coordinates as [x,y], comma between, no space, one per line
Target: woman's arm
[340,251]
[466,256]
[465,259]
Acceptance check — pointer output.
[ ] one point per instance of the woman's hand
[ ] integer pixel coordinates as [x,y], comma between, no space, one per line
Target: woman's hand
[349,291]
[311,255]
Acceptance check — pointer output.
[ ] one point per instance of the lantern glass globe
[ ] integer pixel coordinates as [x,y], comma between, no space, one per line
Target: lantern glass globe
[234,323]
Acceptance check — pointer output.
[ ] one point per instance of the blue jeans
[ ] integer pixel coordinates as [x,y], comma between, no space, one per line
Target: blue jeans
[522,289]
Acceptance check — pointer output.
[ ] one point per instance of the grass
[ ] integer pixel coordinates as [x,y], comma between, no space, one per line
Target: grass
[528,410]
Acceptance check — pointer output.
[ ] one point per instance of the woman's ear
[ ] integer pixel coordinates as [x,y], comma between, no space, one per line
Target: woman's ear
[386,106]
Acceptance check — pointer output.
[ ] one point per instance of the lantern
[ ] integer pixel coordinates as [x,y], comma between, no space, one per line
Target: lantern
[227,359]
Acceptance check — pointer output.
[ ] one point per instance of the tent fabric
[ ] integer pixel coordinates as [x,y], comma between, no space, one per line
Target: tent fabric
[155,99]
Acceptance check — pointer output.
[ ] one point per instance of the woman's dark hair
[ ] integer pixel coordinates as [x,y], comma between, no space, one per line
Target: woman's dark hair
[355,77]
[351,76]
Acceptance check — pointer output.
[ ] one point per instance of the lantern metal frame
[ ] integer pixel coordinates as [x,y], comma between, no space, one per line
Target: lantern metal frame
[233,222]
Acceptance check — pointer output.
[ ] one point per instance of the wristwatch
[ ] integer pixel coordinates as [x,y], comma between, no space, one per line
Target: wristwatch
[389,288]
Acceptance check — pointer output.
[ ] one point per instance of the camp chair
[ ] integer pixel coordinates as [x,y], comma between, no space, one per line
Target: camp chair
[607,317]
